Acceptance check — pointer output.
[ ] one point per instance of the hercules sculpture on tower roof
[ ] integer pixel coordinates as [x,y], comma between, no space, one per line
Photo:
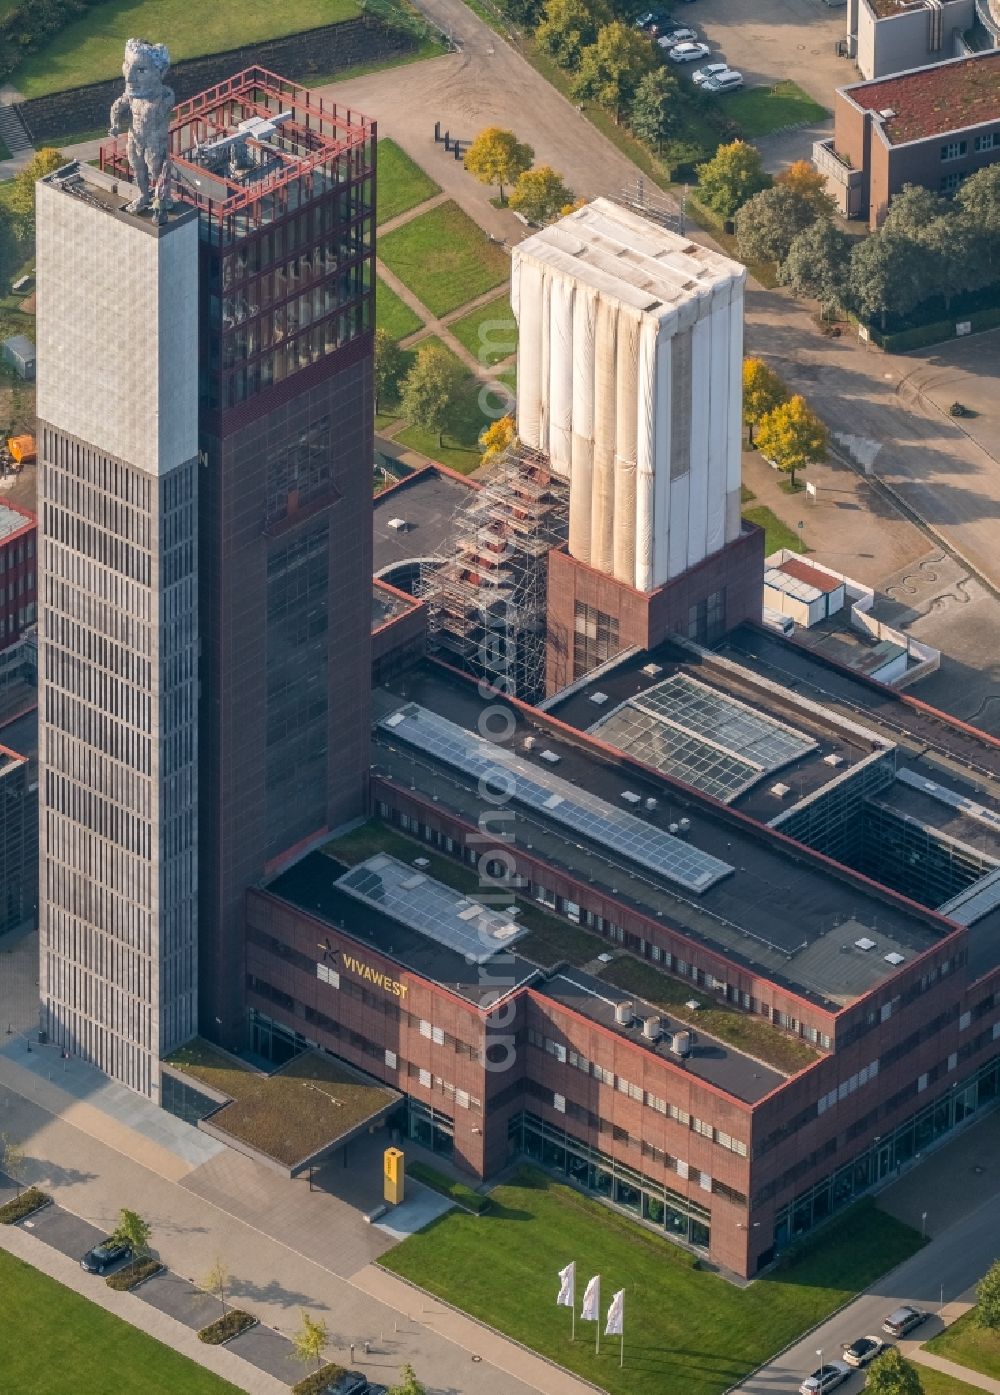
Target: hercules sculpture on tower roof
[143,110]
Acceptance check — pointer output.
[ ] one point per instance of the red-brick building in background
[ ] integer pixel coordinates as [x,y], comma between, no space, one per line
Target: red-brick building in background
[18,572]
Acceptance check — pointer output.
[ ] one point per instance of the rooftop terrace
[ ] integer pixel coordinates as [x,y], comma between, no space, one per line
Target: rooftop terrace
[935,100]
[779,910]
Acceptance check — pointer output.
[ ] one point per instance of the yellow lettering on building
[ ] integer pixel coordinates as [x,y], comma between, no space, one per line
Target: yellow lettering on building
[376,976]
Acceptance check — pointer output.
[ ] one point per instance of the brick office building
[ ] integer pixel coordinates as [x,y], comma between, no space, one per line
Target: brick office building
[878,1015]
[932,126]
[18,572]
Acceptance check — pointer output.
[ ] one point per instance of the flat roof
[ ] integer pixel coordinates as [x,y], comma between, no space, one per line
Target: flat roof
[386,606]
[830,747]
[630,259]
[934,100]
[710,1059]
[21,345]
[425,502]
[812,576]
[945,809]
[314,885]
[783,912]
[834,637]
[13,520]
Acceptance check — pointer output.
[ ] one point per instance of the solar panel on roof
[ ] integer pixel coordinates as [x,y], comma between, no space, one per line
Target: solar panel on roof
[706,738]
[547,794]
[431,908]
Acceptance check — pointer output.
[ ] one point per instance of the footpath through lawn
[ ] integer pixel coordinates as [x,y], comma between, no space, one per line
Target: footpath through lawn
[686,1331]
[53,1339]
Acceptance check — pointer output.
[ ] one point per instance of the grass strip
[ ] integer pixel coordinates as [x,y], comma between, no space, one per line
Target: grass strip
[457,1192]
[444,258]
[968,1344]
[30,1200]
[224,1329]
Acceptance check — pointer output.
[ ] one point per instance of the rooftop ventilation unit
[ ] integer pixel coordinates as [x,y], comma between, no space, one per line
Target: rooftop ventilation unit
[684,825]
[630,797]
[894,959]
[886,114]
[421,862]
[779,790]
[530,743]
[651,1027]
[624,1013]
[680,1044]
[833,759]
[674,828]
[864,943]
[651,803]
[652,670]
[693,1005]
[398,525]
[550,756]
[599,698]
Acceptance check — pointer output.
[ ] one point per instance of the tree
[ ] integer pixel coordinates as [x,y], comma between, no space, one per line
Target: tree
[611,67]
[655,115]
[885,275]
[979,197]
[817,264]
[12,1160]
[734,174]
[540,194]
[957,256]
[388,366]
[22,196]
[134,1231]
[763,390]
[408,1385]
[526,13]
[497,157]
[310,1340]
[216,1281]
[570,26]
[430,389]
[495,439]
[805,180]
[912,210]
[892,1374]
[768,223]
[988,1297]
[792,436]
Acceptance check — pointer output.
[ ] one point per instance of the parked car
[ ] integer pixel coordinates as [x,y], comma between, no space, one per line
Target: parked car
[105,1256]
[688,53]
[676,36]
[903,1320]
[709,70]
[826,1377]
[723,82]
[654,21]
[862,1351]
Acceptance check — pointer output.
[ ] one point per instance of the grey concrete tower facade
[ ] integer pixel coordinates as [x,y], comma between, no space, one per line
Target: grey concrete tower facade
[118,625]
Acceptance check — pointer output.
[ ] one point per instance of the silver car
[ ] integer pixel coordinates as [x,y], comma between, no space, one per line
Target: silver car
[827,1377]
[709,70]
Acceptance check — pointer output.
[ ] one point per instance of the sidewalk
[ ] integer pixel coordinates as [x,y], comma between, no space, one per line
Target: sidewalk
[22,1244]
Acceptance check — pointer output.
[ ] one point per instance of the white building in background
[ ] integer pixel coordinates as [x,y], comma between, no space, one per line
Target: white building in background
[118,624]
[630,380]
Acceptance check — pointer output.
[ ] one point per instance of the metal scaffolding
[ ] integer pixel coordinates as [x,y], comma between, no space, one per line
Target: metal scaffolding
[487,601]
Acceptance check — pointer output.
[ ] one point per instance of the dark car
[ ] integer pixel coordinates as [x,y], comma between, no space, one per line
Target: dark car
[862,1351]
[903,1320]
[105,1256]
[653,19]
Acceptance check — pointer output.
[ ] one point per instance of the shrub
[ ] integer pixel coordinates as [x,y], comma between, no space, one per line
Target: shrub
[457,1192]
[224,1329]
[318,1381]
[133,1274]
[31,1200]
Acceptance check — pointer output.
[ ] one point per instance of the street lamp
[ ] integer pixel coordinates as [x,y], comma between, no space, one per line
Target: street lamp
[923,1224]
[819,1353]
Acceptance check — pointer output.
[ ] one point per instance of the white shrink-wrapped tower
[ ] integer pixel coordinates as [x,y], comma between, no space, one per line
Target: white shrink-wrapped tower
[630,381]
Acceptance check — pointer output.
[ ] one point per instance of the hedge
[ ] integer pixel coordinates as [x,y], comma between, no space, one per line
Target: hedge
[319,1381]
[457,1192]
[936,332]
[224,1329]
[29,1201]
[133,1274]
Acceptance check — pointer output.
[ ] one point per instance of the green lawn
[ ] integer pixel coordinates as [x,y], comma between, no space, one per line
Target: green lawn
[47,1328]
[91,48]
[476,407]
[687,1331]
[402,184]
[761,110]
[394,315]
[969,1345]
[741,1029]
[489,332]
[444,258]
[776,533]
[937,1383]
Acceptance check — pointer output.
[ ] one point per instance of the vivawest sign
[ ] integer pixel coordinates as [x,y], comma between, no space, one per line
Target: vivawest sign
[334,961]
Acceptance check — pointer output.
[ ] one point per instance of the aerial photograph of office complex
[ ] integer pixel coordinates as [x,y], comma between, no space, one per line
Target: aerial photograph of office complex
[500,697]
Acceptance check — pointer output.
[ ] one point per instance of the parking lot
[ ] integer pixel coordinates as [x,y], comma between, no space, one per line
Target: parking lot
[774,39]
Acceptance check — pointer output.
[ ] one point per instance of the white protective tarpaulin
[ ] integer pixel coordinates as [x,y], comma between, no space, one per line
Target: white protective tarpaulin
[561,297]
[626,427]
[605,366]
[582,480]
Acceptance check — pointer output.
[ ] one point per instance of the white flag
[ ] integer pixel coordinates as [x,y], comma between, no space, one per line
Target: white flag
[567,1286]
[616,1315]
[591,1311]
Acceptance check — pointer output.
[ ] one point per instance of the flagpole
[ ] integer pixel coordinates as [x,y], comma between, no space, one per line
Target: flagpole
[572,1315]
[597,1348]
[621,1359]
